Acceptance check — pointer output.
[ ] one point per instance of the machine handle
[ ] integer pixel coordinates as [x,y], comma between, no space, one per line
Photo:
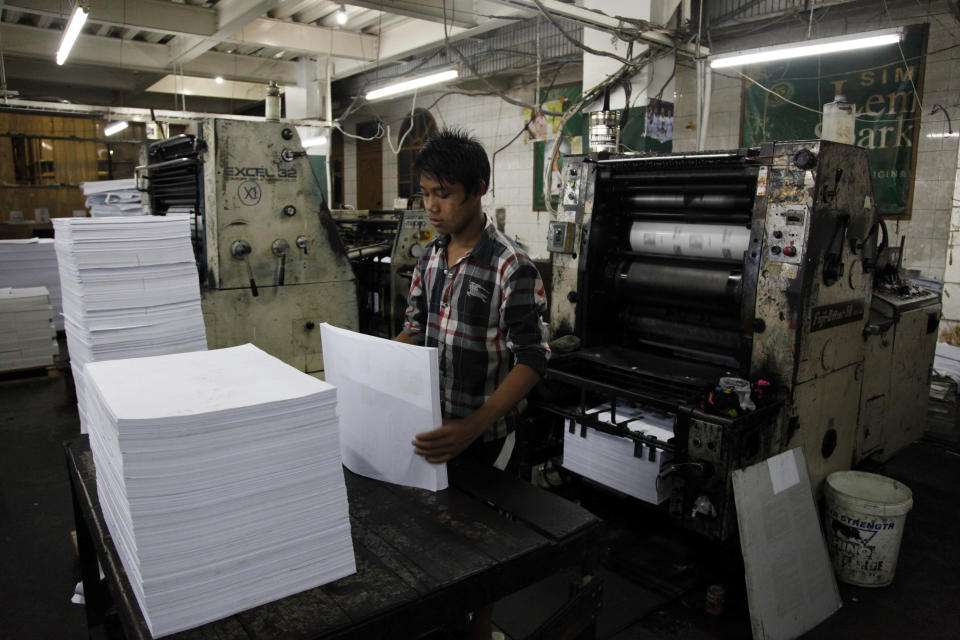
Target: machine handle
[280,249]
[240,249]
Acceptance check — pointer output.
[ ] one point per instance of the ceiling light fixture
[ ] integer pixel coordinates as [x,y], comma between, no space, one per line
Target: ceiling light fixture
[219,79]
[74,25]
[809,48]
[342,15]
[116,127]
[416,83]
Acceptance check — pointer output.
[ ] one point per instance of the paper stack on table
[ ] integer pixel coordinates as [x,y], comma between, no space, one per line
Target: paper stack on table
[220,480]
[32,263]
[614,461]
[388,392]
[112,198]
[27,335]
[130,289]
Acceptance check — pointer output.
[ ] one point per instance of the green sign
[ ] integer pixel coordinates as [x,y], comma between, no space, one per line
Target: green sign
[882,82]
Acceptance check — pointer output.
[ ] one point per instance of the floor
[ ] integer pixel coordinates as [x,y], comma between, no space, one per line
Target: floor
[655,578]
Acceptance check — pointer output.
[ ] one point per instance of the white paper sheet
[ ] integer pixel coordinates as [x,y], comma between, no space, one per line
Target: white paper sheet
[387,393]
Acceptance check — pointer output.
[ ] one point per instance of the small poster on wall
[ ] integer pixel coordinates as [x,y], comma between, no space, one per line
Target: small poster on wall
[659,120]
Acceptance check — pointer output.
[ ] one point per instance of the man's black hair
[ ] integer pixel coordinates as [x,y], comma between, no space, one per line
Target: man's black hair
[453,155]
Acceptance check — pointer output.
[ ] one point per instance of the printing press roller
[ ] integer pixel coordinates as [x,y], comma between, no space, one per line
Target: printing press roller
[683,284]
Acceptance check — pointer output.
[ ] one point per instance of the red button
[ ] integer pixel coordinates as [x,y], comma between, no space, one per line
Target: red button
[790,251]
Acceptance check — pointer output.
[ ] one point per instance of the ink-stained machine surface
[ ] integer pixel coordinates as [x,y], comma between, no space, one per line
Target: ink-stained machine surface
[271,263]
[751,266]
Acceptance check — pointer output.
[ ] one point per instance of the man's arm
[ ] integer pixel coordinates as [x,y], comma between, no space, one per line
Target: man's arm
[405,337]
[454,436]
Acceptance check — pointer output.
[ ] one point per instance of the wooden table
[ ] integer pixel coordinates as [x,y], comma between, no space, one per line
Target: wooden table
[423,559]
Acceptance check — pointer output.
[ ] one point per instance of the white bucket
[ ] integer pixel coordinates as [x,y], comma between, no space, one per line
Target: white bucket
[865,514]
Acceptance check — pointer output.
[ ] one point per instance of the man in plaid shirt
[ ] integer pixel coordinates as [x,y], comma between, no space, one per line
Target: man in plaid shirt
[477,298]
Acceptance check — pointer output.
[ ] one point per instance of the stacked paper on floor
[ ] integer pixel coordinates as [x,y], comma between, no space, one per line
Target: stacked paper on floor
[388,392]
[27,335]
[112,198]
[130,289]
[32,263]
[615,461]
[220,480]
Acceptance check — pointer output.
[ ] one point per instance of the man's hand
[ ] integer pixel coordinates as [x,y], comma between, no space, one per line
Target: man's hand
[448,441]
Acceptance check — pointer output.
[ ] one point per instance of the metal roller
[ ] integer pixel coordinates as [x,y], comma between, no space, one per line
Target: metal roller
[725,242]
[687,285]
[688,175]
[725,187]
[710,201]
[693,217]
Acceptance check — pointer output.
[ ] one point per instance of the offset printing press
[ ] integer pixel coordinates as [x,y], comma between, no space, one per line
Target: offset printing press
[720,301]
[271,263]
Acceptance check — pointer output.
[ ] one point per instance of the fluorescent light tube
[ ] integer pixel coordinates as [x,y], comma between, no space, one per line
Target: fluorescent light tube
[409,85]
[116,127]
[809,48]
[75,24]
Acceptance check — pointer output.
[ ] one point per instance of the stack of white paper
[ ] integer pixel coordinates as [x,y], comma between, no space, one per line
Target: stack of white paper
[614,461]
[112,198]
[388,392]
[220,480]
[32,263]
[27,335]
[130,289]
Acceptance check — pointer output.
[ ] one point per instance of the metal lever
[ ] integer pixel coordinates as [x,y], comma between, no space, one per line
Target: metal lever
[302,243]
[240,249]
[280,248]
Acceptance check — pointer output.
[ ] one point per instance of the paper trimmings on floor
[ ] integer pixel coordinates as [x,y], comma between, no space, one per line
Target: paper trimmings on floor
[220,480]
[388,392]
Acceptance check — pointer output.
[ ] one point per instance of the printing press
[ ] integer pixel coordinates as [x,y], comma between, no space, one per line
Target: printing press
[271,263]
[676,271]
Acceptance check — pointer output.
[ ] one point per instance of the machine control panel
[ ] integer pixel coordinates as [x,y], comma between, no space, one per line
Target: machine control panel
[705,440]
[571,184]
[560,237]
[785,233]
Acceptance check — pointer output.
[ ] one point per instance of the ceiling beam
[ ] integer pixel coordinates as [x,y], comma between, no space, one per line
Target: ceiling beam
[290,7]
[597,19]
[32,42]
[459,13]
[143,15]
[198,28]
[231,15]
[307,39]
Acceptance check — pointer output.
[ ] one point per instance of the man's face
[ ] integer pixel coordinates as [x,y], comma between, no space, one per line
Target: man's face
[448,206]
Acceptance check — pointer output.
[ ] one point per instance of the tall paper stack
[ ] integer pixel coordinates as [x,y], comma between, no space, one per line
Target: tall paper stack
[27,335]
[220,479]
[112,198]
[32,263]
[130,289]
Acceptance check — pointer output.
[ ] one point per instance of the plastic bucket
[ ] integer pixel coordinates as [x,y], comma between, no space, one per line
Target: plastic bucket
[865,514]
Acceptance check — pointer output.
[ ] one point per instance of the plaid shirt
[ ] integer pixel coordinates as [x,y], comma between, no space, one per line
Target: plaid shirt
[483,316]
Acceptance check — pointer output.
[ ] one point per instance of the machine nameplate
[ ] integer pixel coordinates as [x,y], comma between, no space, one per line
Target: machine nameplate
[834,315]
[246,173]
